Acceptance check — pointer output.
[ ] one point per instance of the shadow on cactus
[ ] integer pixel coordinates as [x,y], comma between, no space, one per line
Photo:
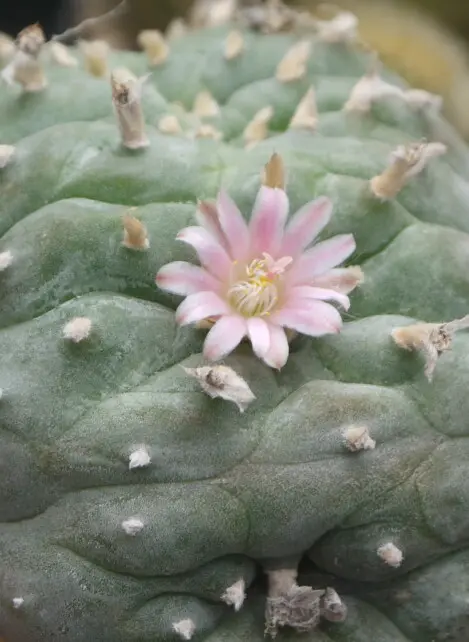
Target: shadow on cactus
[271,439]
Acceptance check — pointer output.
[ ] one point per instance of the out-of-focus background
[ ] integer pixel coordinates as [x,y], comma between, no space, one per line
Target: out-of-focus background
[426,41]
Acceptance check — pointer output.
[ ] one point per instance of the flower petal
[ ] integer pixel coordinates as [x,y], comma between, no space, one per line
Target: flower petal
[308,292]
[321,258]
[342,280]
[268,220]
[224,337]
[234,226]
[259,334]
[316,318]
[278,352]
[200,306]
[211,254]
[206,215]
[305,226]
[184,278]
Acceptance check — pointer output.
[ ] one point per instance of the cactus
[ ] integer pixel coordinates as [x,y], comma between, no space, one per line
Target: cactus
[309,479]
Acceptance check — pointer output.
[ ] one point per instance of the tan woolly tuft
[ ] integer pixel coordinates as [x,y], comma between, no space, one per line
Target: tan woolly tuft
[177,28]
[135,234]
[25,67]
[95,53]
[234,45]
[257,129]
[406,162]
[155,46]
[208,131]
[293,65]
[273,174]
[205,105]
[306,114]
[169,125]
[126,98]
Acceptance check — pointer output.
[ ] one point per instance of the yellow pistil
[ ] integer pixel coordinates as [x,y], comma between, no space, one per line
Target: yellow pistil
[258,294]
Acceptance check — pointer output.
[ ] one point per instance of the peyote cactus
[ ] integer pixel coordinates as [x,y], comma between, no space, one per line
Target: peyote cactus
[161,485]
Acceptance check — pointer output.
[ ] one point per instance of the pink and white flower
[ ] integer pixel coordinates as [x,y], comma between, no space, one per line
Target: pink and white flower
[257,279]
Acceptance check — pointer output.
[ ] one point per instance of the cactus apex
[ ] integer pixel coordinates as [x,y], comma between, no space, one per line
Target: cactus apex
[234,45]
[205,105]
[6,259]
[273,174]
[406,162]
[132,526]
[224,382]
[358,438]
[293,65]
[139,458]
[135,234]
[257,129]
[155,46]
[184,628]
[77,329]
[235,594]
[306,114]
[391,554]
[95,53]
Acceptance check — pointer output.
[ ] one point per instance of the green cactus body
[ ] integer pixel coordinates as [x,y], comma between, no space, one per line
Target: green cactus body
[130,500]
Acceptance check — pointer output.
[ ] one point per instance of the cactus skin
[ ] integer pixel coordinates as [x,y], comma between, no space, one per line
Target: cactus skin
[223,490]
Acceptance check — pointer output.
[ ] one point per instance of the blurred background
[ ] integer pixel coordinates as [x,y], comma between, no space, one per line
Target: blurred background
[426,41]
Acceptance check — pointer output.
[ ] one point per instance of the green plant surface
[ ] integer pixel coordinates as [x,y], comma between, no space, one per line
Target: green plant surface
[225,492]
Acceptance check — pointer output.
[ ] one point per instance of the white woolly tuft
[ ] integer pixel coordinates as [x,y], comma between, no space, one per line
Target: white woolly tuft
[235,595]
[390,554]
[132,526]
[18,602]
[184,628]
[139,458]
[6,259]
[77,329]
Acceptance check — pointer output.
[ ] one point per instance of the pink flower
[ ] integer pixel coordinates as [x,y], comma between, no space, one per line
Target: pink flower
[257,279]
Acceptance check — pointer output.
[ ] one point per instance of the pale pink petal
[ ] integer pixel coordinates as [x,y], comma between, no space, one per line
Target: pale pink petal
[200,306]
[259,334]
[321,258]
[342,280]
[211,254]
[316,319]
[308,292]
[305,226]
[223,338]
[279,349]
[206,215]
[234,226]
[268,220]
[184,278]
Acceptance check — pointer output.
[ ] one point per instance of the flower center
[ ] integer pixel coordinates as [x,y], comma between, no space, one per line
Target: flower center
[258,293]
